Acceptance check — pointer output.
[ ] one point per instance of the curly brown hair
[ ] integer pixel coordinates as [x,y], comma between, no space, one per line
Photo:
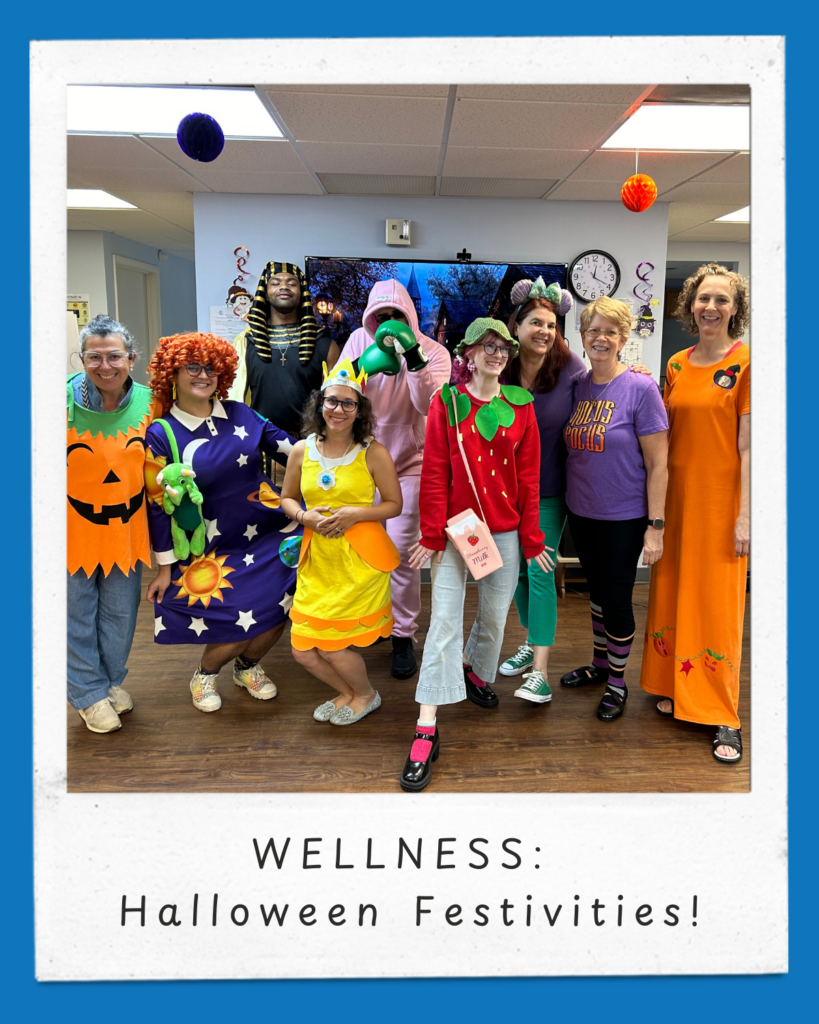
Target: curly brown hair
[312,419]
[739,321]
[193,347]
[556,358]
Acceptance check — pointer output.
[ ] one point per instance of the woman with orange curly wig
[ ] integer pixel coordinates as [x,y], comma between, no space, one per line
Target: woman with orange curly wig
[234,596]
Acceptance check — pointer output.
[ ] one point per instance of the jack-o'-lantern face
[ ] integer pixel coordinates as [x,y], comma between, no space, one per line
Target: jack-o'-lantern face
[105,478]
[661,647]
[154,464]
[713,662]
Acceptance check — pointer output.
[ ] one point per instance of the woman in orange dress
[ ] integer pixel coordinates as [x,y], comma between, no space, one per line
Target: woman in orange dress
[696,605]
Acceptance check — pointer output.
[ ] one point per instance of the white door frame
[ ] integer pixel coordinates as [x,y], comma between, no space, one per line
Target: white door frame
[151,272]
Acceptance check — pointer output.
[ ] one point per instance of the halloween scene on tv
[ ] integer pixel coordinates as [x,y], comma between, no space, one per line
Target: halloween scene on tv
[355,521]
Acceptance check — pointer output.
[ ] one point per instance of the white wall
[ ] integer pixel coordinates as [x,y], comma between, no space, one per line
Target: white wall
[288,228]
[86,268]
[738,252]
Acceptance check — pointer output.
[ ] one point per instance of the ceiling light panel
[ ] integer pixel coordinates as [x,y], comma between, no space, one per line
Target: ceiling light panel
[692,127]
[94,199]
[742,216]
[131,110]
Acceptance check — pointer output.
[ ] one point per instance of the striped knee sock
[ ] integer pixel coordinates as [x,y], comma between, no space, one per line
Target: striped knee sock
[600,658]
[618,652]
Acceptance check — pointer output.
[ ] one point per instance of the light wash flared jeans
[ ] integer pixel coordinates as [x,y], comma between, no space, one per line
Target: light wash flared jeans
[441,679]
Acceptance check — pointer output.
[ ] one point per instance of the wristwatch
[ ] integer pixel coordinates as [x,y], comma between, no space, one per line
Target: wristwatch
[658,524]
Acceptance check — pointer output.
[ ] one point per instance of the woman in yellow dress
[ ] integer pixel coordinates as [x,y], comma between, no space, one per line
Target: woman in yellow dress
[343,586]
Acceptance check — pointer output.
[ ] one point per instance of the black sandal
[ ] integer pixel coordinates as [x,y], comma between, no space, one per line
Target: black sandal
[728,737]
[665,714]
[612,703]
[584,675]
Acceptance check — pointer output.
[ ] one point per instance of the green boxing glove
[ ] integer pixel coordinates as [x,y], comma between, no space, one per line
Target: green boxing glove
[375,360]
[393,336]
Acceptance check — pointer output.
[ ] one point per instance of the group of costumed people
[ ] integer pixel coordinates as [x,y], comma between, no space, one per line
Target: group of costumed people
[275,477]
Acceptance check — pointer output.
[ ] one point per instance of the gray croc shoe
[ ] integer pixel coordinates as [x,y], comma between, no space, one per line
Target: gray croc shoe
[345,715]
[324,712]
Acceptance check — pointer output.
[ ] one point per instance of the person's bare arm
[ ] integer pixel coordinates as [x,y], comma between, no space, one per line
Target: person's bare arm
[655,456]
[742,530]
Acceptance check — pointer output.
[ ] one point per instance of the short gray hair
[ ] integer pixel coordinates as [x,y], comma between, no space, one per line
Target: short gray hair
[101,326]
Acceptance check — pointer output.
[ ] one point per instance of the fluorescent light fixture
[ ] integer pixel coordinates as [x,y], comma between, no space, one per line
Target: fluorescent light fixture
[134,110]
[95,199]
[693,126]
[742,216]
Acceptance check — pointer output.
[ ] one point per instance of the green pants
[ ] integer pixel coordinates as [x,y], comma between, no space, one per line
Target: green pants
[536,596]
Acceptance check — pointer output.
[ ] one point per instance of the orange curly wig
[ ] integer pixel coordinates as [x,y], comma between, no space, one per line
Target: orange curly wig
[181,349]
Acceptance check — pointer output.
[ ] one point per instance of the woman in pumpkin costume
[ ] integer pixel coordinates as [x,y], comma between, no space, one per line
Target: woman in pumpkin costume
[343,593]
[232,590]
[499,434]
[697,599]
[108,415]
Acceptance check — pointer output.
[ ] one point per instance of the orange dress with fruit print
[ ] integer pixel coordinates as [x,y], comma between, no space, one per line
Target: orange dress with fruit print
[696,604]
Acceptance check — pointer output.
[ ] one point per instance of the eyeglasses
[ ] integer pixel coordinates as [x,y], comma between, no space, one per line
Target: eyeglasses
[194,369]
[595,332]
[331,403]
[93,360]
[491,349]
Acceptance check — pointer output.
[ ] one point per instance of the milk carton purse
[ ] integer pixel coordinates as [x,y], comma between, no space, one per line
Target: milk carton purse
[471,535]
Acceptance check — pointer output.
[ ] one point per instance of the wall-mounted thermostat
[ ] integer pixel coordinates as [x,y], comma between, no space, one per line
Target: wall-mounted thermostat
[398,232]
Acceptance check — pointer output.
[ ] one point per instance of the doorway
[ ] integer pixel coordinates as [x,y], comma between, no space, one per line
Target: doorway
[136,291]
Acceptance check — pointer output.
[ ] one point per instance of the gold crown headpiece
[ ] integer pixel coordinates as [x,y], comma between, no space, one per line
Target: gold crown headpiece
[344,373]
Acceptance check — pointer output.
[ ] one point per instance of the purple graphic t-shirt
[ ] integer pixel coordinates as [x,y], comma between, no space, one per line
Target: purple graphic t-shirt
[605,472]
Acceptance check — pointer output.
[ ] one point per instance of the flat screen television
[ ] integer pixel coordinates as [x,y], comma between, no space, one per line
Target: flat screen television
[448,296]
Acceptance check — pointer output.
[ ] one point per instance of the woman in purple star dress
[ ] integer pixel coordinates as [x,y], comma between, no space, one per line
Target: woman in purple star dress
[234,596]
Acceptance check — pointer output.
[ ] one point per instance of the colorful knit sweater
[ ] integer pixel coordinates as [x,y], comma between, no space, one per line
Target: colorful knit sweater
[503,450]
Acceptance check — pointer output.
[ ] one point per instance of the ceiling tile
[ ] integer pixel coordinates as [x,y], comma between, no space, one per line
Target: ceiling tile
[737,169]
[710,192]
[378,89]
[175,207]
[242,156]
[594,190]
[532,125]
[134,224]
[497,188]
[713,233]
[626,94]
[284,183]
[344,158]
[125,162]
[379,184]
[682,216]
[364,119]
[667,169]
[479,162]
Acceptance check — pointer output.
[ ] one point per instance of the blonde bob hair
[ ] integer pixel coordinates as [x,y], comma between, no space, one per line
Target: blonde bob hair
[610,309]
[738,322]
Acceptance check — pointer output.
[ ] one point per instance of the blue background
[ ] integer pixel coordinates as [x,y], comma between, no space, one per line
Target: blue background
[735,999]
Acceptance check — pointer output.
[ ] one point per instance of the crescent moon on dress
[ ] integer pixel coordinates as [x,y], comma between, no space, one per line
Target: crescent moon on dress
[292,525]
[187,454]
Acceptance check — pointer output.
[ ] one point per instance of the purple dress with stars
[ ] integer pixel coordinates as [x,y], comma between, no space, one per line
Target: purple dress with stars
[244,582]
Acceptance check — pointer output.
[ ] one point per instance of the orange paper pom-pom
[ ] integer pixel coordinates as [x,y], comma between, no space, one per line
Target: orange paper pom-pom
[638,193]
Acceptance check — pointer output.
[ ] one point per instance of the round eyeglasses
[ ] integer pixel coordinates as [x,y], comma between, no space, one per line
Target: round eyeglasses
[491,349]
[595,332]
[115,360]
[195,369]
[331,403]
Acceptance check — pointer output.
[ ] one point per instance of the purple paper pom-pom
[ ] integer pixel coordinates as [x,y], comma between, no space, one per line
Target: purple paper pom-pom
[520,292]
[200,137]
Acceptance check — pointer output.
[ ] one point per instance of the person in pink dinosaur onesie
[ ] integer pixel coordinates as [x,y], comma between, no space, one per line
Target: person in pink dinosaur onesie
[401,404]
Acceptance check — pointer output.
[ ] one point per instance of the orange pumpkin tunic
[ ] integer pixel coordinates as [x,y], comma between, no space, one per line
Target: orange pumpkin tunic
[106,508]
[696,604]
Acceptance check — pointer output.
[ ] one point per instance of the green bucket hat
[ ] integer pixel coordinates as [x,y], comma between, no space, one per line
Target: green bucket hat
[478,328]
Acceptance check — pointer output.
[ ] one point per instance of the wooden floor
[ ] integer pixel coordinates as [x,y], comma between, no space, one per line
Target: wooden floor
[166,745]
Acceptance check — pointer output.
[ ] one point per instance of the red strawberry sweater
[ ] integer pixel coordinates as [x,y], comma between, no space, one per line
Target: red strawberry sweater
[502,443]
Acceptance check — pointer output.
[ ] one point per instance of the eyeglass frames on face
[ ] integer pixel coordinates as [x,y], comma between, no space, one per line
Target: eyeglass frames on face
[491,349]
[595,332]
[195,369]
[331,403]
[112,359]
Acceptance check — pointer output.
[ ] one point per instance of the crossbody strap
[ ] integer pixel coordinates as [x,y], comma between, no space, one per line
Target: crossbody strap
[171,439]
[468,470]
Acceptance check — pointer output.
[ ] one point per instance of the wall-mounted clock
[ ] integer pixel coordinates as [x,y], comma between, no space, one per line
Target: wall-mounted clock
[592,274]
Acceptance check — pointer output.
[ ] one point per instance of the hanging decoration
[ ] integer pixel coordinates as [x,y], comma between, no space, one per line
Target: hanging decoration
[200,137]
[639,191]
[642,292]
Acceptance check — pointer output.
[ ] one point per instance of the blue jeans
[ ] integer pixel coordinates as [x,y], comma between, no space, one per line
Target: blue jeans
[102,613]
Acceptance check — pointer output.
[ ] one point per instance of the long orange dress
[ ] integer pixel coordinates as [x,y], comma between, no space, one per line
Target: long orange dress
[696,603]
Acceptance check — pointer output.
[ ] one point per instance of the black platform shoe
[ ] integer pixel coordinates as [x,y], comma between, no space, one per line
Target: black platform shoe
[483,696]
[417,774]
[612,703]
[404,664]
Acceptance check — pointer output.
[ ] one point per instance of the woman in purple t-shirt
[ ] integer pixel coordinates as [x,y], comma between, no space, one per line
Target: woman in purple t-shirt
[616,477]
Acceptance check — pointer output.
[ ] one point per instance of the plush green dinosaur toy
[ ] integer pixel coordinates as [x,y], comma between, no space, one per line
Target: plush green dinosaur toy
[182,501]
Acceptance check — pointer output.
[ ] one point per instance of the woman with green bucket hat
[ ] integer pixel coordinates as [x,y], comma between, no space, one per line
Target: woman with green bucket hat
[482,452]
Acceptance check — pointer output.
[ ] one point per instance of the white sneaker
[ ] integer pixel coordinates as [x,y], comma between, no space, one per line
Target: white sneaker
[519,662]
[101,717]
[120,699]
[203,691]
[255,681]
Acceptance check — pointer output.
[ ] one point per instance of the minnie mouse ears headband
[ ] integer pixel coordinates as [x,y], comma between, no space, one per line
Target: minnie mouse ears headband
[526,290]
